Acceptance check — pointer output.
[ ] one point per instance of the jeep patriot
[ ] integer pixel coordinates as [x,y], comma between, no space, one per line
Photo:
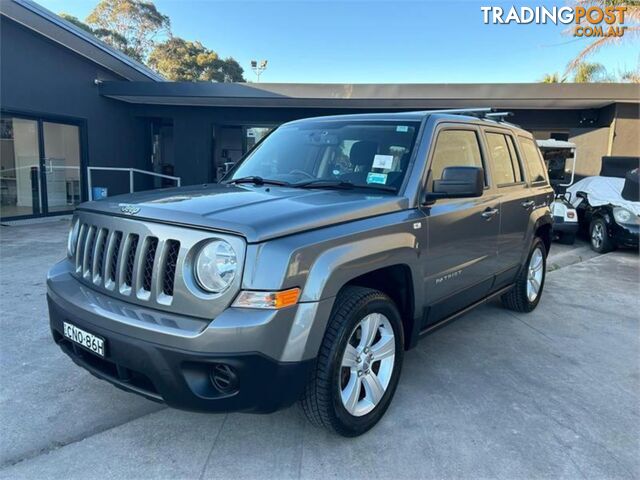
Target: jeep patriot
[307,271]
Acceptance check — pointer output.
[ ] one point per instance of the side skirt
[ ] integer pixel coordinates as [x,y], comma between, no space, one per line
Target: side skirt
[441,323]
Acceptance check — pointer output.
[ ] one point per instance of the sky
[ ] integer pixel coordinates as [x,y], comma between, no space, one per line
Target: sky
[371,41]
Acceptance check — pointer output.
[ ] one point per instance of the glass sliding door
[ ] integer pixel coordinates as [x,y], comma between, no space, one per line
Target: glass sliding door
[19,168]
[61,166]
[39,167]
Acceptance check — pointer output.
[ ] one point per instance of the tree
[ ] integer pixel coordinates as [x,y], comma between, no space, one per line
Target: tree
[632,15]
[182,60]
[229,70]
[136,23]
[108,36]
[590,73]
[553,78]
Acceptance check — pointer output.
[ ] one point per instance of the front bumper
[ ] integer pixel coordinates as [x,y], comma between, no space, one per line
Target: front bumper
[182,379]
[169,358]
[624,235]
[561,226]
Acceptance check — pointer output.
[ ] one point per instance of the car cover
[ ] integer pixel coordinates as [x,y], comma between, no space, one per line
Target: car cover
[602,191]
[631,190]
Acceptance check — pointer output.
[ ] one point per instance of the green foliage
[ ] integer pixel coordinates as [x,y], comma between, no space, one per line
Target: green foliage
[552,78]
[137,24]
[590,73]
[108,36]
[133,27]
[182,60]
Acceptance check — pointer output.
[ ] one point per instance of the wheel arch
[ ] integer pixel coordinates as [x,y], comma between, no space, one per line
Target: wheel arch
[389,263]
[395,281]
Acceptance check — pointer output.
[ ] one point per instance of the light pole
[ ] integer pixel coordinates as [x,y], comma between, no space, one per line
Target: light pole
[258,68]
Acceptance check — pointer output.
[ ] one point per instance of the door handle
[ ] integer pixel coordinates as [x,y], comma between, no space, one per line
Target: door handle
[489,212]
[528,204]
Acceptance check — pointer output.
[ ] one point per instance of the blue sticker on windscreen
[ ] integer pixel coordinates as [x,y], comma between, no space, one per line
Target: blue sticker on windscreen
[379,178]
[402,128]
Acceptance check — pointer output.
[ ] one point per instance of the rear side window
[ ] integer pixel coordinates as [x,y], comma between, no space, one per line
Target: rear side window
[506,166]
[503,162]
[534,160]
[455,148]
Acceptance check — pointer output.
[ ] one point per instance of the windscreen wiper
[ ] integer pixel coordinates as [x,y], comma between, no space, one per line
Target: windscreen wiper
[259,181]
[322,183]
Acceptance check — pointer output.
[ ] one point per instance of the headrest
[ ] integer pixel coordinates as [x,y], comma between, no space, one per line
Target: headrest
[362,153]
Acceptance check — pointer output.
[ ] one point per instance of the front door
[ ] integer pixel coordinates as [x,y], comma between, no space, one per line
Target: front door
[40,167]
[462,233]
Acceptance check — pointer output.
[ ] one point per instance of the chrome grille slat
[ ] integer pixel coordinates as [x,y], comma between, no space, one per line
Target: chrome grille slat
[125,262]
[88,252]
[98,255]
[113,256]
[80,248]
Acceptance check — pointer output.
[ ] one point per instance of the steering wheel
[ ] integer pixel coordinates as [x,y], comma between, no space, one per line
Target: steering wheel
[302,172]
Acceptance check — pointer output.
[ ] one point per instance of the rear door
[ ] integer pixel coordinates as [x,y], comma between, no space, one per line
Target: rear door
[516,203]
[462,232]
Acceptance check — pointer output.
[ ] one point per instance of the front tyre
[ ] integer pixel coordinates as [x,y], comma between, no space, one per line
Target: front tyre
[358,364]
[599,236]
[526,293]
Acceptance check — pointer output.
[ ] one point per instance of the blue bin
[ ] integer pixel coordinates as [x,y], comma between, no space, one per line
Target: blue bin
[98,193]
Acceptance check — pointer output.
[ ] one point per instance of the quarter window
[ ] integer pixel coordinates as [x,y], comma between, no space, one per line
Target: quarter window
[455,148]
[505,166]
[534,160]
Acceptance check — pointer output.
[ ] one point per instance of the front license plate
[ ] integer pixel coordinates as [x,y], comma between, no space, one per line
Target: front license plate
[86,339]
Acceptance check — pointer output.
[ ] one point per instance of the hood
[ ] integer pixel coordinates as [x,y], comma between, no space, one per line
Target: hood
[258,213]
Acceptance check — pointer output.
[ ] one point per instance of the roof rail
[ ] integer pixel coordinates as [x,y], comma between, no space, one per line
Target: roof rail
[475,112]
[499,115]
[486,113]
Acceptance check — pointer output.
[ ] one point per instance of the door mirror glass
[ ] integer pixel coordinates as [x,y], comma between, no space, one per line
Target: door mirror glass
[458,182]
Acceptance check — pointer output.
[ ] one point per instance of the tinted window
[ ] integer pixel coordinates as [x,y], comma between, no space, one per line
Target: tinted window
[502,165]
[534,159]
[517,166]
[455,148]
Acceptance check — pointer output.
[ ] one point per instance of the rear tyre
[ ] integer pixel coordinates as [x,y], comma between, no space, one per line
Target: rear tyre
[526,293]
[358,365]
[599,236]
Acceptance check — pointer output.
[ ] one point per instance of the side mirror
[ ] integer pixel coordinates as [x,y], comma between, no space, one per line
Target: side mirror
[458,182]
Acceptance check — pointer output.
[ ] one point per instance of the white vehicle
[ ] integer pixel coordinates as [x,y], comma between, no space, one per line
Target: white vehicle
[565,218]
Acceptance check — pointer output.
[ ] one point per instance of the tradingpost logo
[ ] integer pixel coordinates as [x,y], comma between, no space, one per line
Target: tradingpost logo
[590,21]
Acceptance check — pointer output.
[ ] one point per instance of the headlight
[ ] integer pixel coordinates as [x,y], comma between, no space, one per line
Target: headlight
[216,266]
[72,240]
[622,215]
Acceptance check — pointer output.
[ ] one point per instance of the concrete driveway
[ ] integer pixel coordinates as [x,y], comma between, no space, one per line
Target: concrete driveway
[555,393]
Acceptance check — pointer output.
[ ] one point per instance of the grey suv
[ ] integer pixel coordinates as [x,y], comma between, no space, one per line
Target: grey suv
[322,256]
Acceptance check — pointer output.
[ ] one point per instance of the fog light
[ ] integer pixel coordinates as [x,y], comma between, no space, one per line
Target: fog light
[224,378]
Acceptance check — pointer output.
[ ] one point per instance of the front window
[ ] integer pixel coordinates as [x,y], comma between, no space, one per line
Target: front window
[333,153]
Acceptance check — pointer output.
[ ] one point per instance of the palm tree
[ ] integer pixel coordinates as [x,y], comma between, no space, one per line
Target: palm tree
[553,78]
[632,22]
[590,73]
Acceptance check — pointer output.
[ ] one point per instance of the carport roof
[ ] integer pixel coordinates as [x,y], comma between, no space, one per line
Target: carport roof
[372,96]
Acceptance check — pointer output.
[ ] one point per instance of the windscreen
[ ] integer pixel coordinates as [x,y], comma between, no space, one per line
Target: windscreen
[360,153]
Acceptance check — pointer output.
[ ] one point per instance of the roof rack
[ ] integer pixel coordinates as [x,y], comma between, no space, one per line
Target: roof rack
[486,113]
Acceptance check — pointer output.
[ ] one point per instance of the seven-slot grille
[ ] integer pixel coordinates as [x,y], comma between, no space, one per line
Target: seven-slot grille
[127,263]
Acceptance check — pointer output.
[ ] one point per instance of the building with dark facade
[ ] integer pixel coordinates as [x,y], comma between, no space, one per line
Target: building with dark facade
[70,102]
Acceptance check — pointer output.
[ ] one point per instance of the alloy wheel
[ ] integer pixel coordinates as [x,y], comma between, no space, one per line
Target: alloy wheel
[367,364]
[535,272]
[597,236]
